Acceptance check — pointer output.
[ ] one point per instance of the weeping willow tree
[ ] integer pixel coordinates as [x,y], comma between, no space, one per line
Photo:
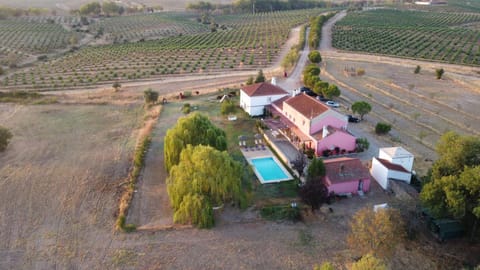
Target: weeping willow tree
[194,129]
[204,177]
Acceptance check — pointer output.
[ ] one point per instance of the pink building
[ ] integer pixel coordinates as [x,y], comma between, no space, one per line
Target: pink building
[312,123]
[346,175]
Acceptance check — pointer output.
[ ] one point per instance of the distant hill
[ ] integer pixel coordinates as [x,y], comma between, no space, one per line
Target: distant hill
[73,4]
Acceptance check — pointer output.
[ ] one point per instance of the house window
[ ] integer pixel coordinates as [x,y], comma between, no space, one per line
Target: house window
[303,122]
[269,100]
[294,119]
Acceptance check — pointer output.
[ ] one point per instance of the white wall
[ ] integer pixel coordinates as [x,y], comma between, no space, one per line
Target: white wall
[380,173]
[403,176]
[404,161]
[254,105]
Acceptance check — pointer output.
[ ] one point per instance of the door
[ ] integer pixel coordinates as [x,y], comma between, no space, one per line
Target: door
[360,185]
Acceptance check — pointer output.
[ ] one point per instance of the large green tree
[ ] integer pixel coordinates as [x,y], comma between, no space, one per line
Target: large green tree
[193,129]
[203,177]
[454,187]
[331,91]
[361,108]
[455,152]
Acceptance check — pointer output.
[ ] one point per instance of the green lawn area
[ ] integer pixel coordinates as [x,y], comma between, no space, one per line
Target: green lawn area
[263,194]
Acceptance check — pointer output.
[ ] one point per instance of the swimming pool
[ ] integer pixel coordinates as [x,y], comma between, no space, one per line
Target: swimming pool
[269,170]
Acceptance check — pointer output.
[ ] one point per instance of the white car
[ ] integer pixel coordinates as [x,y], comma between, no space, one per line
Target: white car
[332,104]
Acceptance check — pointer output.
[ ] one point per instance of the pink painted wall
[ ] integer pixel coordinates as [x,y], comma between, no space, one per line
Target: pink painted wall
[347,187]
[329,120]
[337,139]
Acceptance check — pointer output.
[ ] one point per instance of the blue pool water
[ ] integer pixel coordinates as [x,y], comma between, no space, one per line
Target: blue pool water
[269,169]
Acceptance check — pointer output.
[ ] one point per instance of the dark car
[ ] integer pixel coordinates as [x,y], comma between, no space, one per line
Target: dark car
[307,91]
[353,119]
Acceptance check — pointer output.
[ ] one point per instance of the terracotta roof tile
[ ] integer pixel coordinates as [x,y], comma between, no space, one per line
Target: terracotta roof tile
[307,106]
[345,169]
[263,89]
[279,103]
[392,166]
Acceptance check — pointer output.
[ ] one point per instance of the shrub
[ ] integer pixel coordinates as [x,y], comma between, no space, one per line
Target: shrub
[187,94]
[360,71]
[5,136]
[382,128]
[227,107]
[280,212]
[150,96]
[417,70]
[186,109]
[362,144]
[125,227]
[439,73]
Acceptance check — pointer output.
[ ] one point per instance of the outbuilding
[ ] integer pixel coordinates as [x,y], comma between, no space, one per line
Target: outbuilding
[393,163]
[346,176]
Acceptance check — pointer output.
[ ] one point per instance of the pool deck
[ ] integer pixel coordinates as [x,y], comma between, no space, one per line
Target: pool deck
[259,152]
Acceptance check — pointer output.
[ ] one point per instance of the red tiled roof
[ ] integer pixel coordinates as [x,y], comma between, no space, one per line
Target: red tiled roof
[279,103]
[263,89]
[345,169]
[391,166]
[307,105]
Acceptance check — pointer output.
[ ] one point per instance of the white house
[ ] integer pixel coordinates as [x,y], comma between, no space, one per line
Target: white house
[393,163]
[254,98]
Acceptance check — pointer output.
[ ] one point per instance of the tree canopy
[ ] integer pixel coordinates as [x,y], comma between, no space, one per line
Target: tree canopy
[315,57]
[331,91]
[260,77]
[361,108]
[454,188]
[193,129]
[203,177]
[376,232]
[316,168]
[455,152]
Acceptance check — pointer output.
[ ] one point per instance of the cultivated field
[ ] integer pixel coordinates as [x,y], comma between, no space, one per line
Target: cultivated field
[444,37]
[248,42]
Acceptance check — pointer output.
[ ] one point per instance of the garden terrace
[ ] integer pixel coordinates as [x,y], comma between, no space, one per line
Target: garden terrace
[249,42]
[434,36]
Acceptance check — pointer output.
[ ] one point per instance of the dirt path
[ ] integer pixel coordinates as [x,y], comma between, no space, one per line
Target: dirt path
[151,206]
[326,40]
[293,81]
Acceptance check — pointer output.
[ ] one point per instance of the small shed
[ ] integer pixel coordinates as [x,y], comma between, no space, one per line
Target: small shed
[393,163]
[346,176]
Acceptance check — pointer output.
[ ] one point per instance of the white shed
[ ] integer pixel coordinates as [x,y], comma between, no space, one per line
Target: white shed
[397,155]
[254,98]
[393,163]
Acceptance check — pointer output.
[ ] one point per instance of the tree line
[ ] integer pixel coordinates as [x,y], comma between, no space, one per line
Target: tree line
[254,6]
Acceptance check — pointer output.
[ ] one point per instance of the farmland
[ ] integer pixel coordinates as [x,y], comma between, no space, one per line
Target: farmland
[148,26]
[245,42]
[24,37]
[442,37]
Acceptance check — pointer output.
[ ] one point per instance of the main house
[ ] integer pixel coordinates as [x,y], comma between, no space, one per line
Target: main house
[306,121]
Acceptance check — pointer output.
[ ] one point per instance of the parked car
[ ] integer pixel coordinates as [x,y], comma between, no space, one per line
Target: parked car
[323,99]
[332,104]
[307,91]
[353,119]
